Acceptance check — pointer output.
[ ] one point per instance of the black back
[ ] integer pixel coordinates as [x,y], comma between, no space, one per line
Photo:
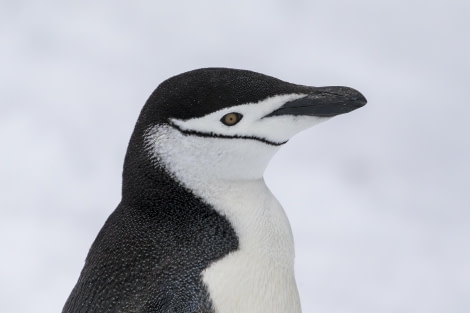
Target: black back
[149,258]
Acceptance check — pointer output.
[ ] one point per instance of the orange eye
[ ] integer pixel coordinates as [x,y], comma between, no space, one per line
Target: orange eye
[231,119]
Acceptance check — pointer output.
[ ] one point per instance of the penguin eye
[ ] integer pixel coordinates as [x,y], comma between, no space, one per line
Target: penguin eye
[231,119]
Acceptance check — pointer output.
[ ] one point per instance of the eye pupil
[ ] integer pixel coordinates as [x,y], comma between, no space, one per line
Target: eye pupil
[231,119]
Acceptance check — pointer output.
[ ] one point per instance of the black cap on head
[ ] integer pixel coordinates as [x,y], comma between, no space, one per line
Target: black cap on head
[202,91]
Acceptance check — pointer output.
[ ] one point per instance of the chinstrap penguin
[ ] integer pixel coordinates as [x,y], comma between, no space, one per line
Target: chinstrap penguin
[197,230]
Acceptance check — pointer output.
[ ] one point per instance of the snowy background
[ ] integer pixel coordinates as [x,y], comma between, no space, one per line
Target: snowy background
[379,199]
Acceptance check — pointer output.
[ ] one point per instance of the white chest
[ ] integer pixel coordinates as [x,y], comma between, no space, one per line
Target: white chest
[259,276]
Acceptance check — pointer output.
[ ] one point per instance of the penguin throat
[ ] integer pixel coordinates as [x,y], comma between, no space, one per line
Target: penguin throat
[205,159]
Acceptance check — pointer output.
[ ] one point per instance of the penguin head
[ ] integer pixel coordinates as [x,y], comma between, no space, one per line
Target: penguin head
[219,123]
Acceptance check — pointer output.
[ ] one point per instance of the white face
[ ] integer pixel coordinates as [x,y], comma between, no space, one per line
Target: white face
[205,148]
[277,129]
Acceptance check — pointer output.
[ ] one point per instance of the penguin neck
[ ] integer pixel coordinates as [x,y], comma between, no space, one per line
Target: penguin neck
[259,275]
[265,254]
[228,175]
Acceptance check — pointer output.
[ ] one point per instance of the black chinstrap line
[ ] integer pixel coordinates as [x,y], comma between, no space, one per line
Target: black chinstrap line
[213,135]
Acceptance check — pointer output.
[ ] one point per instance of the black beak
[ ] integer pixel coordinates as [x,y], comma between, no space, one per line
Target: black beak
[323,102]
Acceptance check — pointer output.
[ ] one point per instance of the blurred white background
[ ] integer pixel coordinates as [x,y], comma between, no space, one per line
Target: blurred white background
[378,199]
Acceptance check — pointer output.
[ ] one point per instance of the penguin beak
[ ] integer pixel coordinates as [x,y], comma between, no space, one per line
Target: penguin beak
[323,102]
